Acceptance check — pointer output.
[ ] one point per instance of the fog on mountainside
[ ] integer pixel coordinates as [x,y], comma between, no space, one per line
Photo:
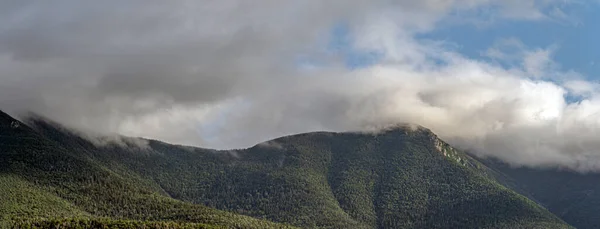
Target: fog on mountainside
[228,74]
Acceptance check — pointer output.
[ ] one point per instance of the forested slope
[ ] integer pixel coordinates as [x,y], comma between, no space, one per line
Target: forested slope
[42,180]
[398,178]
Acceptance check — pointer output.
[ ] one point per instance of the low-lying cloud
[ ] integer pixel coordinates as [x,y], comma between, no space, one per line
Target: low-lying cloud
[229,74]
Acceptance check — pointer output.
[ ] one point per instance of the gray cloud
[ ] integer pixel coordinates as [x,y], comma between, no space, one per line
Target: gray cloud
[227,74]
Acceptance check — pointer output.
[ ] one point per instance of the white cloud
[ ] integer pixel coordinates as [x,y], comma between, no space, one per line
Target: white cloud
[506,50]
[581,87]
[535,62]
[225,74]
[538,62]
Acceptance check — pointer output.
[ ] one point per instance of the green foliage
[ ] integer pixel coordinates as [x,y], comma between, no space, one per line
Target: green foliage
[400,178]
[19,198]
[42,179]
[106,223]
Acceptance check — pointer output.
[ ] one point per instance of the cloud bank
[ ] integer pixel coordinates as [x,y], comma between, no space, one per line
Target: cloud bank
[229,74]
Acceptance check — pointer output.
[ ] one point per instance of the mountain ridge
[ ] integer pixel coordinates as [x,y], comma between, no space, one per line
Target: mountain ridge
[399,178]
[51,170]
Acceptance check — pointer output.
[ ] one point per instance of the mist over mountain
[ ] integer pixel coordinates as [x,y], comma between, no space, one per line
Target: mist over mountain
[228,74]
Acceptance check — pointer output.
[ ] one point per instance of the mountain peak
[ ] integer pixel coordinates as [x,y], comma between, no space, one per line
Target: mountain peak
[7,121]
[4,117]
[405,127]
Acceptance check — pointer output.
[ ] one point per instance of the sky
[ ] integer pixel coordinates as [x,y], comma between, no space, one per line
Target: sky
[513,79]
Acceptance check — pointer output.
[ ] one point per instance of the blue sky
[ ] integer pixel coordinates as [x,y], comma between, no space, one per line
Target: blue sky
[575,41]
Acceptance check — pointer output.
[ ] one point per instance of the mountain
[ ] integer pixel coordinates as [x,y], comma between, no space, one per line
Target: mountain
[573,196]
[401,177]
[44,182]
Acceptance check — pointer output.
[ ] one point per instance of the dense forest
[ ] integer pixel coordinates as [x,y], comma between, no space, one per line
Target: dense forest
[42,181]
[400,177]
